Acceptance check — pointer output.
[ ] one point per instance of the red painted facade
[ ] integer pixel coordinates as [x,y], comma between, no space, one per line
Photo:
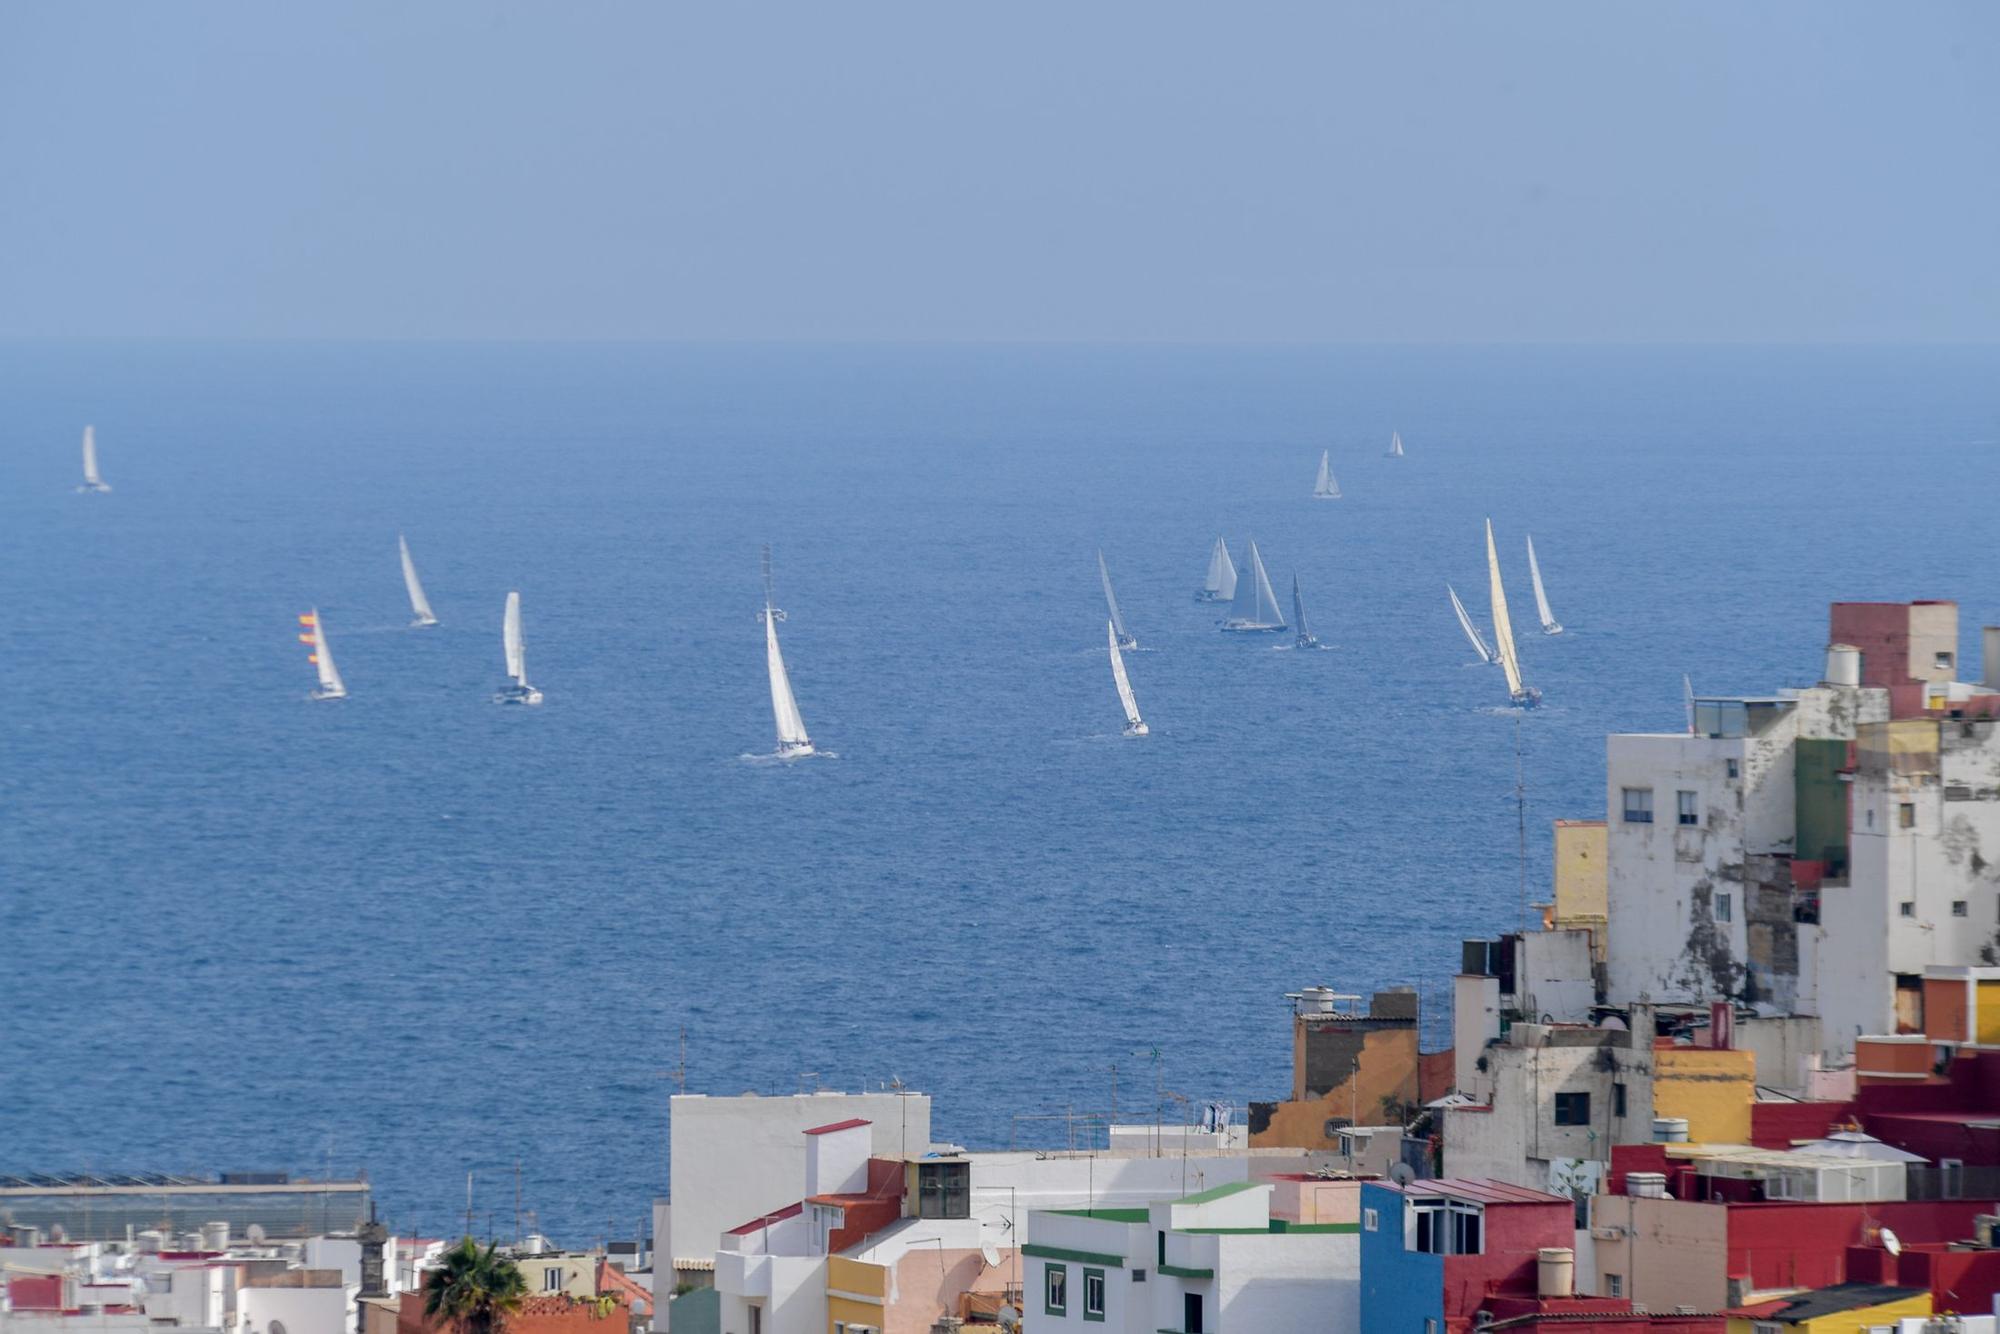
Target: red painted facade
[1514,1236]
[1957,1118]
[871,1210]
[1811,1245]
[1780,1125]
[1593,1315]
[1881,630]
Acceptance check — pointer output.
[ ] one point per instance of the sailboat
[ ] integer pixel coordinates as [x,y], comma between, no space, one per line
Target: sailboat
[1325,487]
[517,690]
[1550,625]
[1486,655]
[1255,607]
[1395,444]
[92,482]
[1125,639]
[1134,724]
[419,604]
[1306,638]
[1524,696]
[1220,586]
[793,743]
[1687,698]
[330,684]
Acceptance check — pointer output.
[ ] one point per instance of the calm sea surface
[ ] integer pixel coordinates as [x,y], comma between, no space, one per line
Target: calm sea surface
[418,934]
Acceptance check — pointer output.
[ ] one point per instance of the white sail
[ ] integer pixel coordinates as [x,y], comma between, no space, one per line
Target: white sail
[92,480]
[420,605]
[1324,486]
[1134,724]
[330,684]
[1471,631]
[1255,606]
[1687,697]
[1503,628]
[1125,639]
[792,738]
[1306,638]
[1395,444]
[1220,586]
[510,640]
[1550,626]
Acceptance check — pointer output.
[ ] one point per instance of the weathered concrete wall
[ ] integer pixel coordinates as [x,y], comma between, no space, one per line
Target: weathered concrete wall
[1370,1076]
[1712,1089]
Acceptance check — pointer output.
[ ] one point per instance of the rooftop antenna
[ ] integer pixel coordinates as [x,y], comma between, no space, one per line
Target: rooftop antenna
[1521,816]
[770,595]
[681,1070]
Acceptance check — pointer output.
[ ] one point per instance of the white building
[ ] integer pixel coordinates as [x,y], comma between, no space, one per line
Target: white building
[1215,1261]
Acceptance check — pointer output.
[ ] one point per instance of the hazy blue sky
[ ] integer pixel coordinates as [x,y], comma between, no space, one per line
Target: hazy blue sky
[1092,169]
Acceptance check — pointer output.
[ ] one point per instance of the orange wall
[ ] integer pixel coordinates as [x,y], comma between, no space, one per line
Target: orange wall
[1387,1069]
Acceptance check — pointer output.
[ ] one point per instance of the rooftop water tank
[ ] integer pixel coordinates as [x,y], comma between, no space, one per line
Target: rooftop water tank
[215,1236]
[1843,665]
[1555,1270]
[1646,1185]
[1670,1130]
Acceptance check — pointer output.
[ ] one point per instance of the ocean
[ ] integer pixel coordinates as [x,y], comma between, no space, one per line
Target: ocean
[419,935]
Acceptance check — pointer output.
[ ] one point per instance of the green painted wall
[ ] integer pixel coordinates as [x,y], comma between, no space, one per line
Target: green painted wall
[1822,804]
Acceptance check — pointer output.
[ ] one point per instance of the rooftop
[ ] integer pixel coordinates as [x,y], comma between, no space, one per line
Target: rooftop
[849,1124]
[1221,1192]
[1478,1190]
[1831,1301]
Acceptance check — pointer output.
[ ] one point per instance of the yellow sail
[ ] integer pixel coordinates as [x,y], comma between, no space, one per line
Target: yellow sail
[1503,629]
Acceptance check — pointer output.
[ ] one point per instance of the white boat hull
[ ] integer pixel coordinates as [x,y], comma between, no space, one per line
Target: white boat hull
[795,750]
[423,622]
[337,693]
[1251,628]
[1526,698]
[92,488]
[518,695]
[1138,729]
[1552,629]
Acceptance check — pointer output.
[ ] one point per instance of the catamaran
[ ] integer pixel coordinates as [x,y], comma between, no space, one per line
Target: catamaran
[517,690]
[1550,625]
[1255,607]
[330,684]
[1395,444]
[1220,586]
[1306,638]
[1486,655]
[1523,696]
[1134,724]
[793,743]
[92,482]
[1324,486]
[1125,639]
[419,604]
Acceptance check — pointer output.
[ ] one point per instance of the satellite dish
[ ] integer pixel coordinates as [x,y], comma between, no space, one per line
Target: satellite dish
[989,1253]
[1402,1173]
[1010,1318]
[1891,1242]
[255,1232]
[276,1327]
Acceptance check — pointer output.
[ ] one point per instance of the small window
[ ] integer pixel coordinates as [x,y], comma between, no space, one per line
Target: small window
[1684,802]
[1942,662]
[1614,1285]
[1638,805]
[1163,1247]
[1735,768]
[1138,1276]
[1055,1290]
[1334,1126]
[1906,815]
[840,1327]
[1958,908]
[1907,908]
[1572,1109]
[944,1190]
[552,1279]
[1371,1221]
[1725,911]
[1618,1100]
[1093,1294]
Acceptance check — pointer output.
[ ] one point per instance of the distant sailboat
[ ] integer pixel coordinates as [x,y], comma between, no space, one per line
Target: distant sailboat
[1220,586]
[1687,698]
[1525,696]
[1255,607]
[1325,487]
[1134,724]
[330,684]
[1306,638]
[517,690]
[1125,639]
[1486,655]
[1550,625]
[419,604]
[92,481]
[793,743]
[1395,444]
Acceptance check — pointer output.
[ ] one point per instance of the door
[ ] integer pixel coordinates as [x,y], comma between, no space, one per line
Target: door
[1191,1313]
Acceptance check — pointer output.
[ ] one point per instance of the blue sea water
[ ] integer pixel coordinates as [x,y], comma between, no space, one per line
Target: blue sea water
[416,934]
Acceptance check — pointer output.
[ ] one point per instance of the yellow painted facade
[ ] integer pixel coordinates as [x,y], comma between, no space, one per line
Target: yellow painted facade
[1857,1321]
[1582,896]
[1712,1089]
[856,1293]
[1986,1023]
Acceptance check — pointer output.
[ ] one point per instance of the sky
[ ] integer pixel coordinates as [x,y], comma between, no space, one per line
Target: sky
[1091,170]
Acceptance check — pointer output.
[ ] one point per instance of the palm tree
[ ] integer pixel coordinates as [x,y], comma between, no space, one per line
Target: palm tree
[473,1289]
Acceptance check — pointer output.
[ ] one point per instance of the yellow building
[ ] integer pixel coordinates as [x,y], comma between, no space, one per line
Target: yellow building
[1712,1090]
[1847,1308]
[1582,881]
[857,1295]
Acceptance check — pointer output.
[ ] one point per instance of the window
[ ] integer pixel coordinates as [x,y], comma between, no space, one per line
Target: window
[1163,1247]
[1572,1109]
[1725,910]
[1138,1276]
[552,1279]
[1446,1228]
[1684,803]
[1907,908]
[1055,1290]
[756,1320]
[1464,1231]
[1618,1100]
[1906,815]
[1958,908]
[1370,1220]
[840,1327]
[1191,1313]
[1614,1285]
[1638,805]
[944,1190]
[1735,768]
[1942,662]
[1093,1294]
[1334,1126]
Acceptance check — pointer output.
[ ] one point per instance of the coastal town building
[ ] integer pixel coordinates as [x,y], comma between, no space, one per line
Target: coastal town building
[1350,1067]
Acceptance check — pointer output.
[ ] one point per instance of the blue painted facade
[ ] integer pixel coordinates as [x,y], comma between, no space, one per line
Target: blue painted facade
[1400,1289]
